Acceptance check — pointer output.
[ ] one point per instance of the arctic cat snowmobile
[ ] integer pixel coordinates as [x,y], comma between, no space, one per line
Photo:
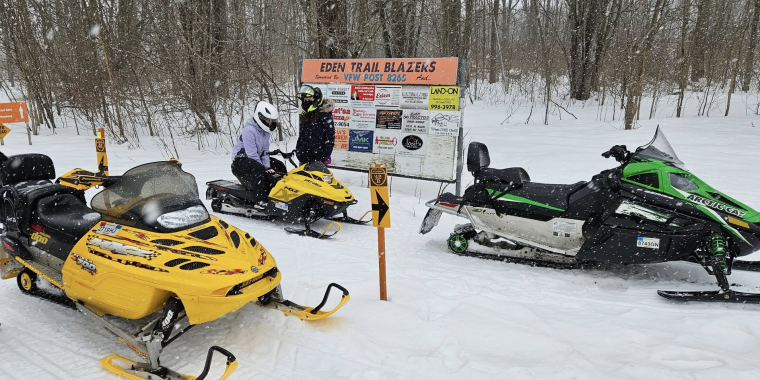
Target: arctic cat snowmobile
[647,210]
[146,248]
[304,195]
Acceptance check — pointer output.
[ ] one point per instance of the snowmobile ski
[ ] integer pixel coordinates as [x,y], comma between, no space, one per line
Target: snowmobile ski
[326,233]
[274,300]
[711,296]
[752,266]
[349,220]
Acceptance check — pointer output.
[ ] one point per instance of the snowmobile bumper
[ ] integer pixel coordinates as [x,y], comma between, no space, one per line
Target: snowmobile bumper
[436,209]
[307,313]
[137,371]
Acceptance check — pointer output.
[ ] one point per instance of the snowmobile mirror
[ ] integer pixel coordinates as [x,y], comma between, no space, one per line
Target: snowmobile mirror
[477,157]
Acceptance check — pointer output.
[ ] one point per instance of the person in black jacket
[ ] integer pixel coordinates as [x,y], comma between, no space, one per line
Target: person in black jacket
[316,132]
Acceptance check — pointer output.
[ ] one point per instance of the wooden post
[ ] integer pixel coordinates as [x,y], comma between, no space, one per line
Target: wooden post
[381,258]
[378,180]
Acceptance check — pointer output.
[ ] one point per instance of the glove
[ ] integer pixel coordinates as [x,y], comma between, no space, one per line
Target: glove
[326,160]
[270,171]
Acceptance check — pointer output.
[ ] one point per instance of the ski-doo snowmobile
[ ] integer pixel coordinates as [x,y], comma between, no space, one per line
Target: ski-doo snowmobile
[306,194]
[647,210]
[146,249]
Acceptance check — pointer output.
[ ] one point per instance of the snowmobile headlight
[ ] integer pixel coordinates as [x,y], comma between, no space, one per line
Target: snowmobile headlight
[328,178]
[182,218]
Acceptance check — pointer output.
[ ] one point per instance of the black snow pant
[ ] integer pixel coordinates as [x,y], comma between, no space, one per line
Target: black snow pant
[252,175]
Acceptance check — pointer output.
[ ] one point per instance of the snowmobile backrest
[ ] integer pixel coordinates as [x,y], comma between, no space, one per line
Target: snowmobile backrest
[477,157]
[27,167]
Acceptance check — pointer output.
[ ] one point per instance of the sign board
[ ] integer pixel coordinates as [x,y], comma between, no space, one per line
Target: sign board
[13,112]
[409,126]
[378,187]
[100,149]
[4,130]
[426,71]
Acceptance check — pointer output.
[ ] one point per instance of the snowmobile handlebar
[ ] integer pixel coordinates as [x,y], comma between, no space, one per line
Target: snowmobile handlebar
[619,152]
[230,362]
[287,156]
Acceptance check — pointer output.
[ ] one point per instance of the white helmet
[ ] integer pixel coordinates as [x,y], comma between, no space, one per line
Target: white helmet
[266,116]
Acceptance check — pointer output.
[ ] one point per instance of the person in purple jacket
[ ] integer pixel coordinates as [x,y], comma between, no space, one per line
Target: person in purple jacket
[250,156]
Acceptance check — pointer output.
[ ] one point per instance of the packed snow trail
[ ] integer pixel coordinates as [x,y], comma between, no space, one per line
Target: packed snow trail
[448,317]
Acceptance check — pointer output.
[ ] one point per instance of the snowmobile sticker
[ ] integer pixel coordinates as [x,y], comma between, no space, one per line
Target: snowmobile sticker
[563,229]
[136,264]
[644,242]
[628,208]
[715,205]
[263,257]
[106,228]
[39,234]
[281,205]
[224,271]
[123,249]
[86,264]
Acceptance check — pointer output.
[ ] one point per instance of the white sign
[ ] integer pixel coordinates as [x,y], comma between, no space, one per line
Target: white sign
[387,96]
[645,242]
[385,141]
[340,93]
[412,145]
[444,123]
[415,97]
[363,118]
[415,121]
[342,117]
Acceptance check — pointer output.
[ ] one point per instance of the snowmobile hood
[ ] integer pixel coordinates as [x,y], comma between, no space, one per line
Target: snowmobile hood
[316,179]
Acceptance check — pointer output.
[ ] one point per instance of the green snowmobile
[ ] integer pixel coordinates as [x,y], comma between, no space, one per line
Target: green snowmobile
[647,210]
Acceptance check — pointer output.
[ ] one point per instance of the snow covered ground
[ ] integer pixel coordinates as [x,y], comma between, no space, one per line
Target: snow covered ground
[448,317]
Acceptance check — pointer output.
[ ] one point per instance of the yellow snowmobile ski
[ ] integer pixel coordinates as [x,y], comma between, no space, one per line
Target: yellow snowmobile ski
[145,248]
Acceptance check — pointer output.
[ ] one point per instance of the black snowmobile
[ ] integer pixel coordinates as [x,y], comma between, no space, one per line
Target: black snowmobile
[647,210]
[304,195]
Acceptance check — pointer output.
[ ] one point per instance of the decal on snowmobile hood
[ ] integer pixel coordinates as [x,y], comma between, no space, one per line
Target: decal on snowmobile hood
[716,205]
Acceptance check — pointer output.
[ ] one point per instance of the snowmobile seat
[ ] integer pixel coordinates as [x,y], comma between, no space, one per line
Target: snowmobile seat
[65,218]
[478,161]
[556,196]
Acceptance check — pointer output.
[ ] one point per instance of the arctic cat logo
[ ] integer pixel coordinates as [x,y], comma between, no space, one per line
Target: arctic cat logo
[86,264]
[716,205]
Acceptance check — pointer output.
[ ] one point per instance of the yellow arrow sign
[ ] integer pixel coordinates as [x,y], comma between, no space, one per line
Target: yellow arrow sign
[381,211]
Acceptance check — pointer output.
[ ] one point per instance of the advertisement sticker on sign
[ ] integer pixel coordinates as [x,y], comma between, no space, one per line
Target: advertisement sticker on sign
[363,118]
[342,117]
[412,145]
[387,96]
[340,93]
[360,141]
[362,96]
[444,123]
[385,142]
[341,139]
[389,119]
[415,97]
[444,98]
[415,121]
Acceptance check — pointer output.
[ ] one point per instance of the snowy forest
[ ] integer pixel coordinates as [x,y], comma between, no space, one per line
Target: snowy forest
[185,68]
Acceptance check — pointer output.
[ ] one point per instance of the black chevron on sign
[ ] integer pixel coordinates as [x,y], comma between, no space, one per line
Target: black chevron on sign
[381,207]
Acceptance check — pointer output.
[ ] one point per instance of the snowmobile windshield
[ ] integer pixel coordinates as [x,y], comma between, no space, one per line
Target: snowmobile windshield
[659,149]
[159,195]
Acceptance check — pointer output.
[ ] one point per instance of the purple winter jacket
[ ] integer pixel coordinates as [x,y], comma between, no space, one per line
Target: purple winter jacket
[253,143]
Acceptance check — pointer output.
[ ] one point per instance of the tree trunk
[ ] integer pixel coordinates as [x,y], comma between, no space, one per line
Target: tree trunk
[493,62]
[700,40]
[749,58]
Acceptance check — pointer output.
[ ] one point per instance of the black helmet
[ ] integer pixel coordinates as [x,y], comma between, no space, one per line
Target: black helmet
[310,97]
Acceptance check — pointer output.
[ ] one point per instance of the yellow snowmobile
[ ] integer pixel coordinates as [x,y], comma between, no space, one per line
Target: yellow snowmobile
[306,194]
[146,248]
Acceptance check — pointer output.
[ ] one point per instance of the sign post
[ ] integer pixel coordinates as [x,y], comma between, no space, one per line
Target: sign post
[15,112]
[100,149]
[381,216]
